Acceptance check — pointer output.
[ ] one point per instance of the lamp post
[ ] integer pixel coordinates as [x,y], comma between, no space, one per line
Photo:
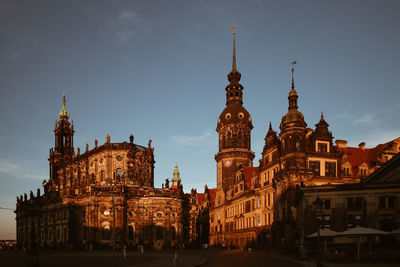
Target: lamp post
[318,203]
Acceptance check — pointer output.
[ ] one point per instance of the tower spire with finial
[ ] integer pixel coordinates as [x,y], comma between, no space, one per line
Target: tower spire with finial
[234,48]
[293,94]
[293,63]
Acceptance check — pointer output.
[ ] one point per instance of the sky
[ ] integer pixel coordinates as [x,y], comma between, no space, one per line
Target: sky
[157,70]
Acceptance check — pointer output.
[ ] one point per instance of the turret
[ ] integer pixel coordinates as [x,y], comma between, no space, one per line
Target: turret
[63,141]
[176,179]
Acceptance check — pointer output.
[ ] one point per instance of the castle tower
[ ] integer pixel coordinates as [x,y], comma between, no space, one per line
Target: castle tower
[293,133]
[63,150]
[234,132]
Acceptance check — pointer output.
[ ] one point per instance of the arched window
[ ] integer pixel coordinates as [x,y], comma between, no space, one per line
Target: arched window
[297,144]
[106,232]
[159,233]
[173,233]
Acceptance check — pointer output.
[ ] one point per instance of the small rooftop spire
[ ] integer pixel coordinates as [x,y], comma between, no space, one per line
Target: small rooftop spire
[322,116]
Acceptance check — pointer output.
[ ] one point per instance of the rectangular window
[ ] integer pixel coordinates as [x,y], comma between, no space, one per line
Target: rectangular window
[350,203]
[355,203]
[382,202]
[322,147]
[269,200]
[391,202]
[330,169]
[327,204]
[314,167]
[247,206]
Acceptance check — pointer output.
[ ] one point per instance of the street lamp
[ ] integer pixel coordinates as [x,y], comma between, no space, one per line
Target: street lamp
[318,204]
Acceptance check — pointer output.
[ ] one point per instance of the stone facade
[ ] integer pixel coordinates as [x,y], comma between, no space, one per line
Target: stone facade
[103,197]
[256,204]
[373,203]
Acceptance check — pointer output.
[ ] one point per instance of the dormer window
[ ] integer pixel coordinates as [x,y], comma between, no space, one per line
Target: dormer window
[322,147]
[346,171]
[363,172]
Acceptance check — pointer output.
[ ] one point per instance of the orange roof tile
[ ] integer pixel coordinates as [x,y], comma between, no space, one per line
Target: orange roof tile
[200,198]
[249,172]
[356,156]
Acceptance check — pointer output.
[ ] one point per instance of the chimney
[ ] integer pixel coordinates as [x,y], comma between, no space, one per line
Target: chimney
[361,145]
[341,143]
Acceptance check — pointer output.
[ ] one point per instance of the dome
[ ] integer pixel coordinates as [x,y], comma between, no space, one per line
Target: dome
[235,114]
[292,92]
[293,116]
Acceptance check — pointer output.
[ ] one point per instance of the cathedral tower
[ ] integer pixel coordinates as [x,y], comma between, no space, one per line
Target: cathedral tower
[234,132]
[63,150]
[176,177]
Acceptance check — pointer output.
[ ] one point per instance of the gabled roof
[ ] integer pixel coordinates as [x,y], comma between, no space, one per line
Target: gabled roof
[249,172]
[200,198]
[388,174]
[211,192]
[356,156]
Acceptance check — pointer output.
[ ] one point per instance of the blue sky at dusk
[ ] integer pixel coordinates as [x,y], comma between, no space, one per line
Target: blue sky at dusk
[157,69]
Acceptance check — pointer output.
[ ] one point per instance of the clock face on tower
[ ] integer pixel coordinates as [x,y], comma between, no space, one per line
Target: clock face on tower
[228,163]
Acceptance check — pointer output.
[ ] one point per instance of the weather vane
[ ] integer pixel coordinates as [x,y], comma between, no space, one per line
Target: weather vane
[234,28]
[293,63]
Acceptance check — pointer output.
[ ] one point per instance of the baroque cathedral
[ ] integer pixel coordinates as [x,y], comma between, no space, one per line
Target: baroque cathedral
[103,197]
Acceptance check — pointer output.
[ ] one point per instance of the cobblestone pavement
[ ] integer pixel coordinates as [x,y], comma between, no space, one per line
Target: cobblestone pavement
[236,258]
[100,259]
[186,258]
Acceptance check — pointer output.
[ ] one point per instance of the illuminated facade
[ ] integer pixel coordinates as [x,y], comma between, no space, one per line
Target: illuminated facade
[100,198]
[256,204]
